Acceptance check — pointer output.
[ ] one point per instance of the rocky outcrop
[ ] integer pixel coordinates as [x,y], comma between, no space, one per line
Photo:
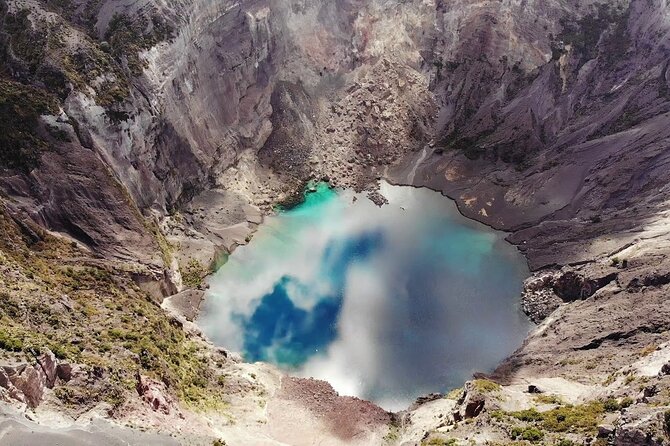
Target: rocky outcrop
[538,299]
[535,130]
[472,405]
[641,426]
[155,394]
[26,383]
[544,293]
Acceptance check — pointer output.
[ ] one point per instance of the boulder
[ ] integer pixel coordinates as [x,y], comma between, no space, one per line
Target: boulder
[572,286]
[474,407]
[8,390]
[155,394]
[31,382]
[605,430]
[64,372]
[26,382]
[471,403]
[48,363]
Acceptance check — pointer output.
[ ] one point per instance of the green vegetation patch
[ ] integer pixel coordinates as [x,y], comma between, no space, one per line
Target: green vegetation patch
[531,434]
[614,405]
[53,296]
[486,386]
[87,64]
[580,418]
[25,42]
[455,394]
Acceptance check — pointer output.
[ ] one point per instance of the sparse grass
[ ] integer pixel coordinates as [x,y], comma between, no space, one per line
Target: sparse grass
[610,379]
[435,441]
[454,394]
[629,378]
[565,362]
[486,386]
[166,249]
[218,261]
[499,415]
[648,350]
[392,435]
[548,399]
[192,273]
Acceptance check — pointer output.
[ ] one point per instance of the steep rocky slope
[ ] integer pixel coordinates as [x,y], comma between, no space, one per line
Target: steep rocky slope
[140,142]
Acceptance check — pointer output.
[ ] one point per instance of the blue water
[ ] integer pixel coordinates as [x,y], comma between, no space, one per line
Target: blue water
[385,303]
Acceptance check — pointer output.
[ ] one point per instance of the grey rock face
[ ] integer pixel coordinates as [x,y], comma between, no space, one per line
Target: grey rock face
[553,146]
[232,78]
[640,426]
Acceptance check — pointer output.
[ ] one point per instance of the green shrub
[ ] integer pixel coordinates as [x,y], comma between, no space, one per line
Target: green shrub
[531,434]
[27,44]
[10,342]
[105,324]
[126,37]
[626,402]
[611,405]
[528,415]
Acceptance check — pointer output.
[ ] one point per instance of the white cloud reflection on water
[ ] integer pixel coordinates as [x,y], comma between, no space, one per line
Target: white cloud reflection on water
[425,296]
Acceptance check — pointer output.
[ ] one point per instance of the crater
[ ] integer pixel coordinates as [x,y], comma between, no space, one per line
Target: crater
[385,303]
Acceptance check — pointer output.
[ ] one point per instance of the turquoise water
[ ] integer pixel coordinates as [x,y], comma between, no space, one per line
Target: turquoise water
[385,303]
